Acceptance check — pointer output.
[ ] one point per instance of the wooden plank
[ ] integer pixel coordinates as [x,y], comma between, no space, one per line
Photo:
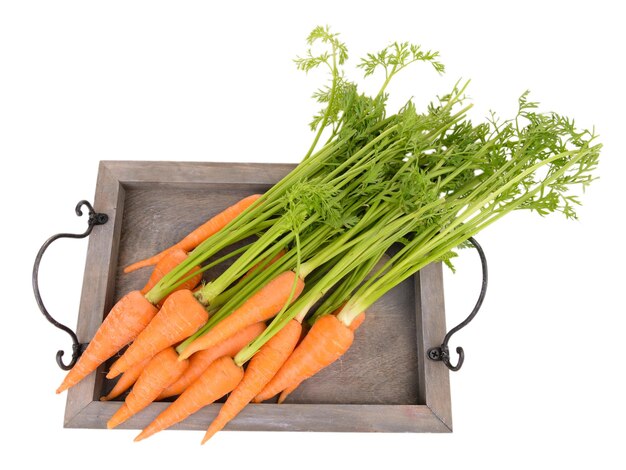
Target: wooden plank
[271,417]
[381,384]
[434,384]
[155,174]
[97,293]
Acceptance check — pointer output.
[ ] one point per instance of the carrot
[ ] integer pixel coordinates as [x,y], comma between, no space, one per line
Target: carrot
[326,342]
[262,305]
[209,228]
[126,381]
[259,372]
[199,361]
[161,371]
[173,258]
[180,316]
[220,378]
[353,327]
[285,393]
[128,317]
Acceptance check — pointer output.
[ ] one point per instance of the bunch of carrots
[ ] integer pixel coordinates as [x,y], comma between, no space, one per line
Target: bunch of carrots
[288,305]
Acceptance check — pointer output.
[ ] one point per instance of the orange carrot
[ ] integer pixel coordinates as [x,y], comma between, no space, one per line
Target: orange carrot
[285,393]
[259,372]
[261,306]
[358,320]
[173,258]
[161,371]
[128,317]
[220,378]
[199,361]
[209,228]
[180,317]
[326,342]
[126,381]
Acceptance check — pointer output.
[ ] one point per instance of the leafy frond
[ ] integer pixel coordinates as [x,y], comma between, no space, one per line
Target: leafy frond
[337,51]
[397,56]
[306,198]
[447,258]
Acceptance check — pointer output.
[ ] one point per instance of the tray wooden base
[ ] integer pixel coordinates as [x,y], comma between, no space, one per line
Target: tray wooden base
[383,383]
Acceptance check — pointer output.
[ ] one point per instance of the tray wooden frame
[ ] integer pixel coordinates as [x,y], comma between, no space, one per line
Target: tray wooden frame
[84,410]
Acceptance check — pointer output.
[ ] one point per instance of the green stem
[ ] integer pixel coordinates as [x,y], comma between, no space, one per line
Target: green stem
[228,302]
[331,99]
[206,268]
[458,232]
[343,292]
[265,207]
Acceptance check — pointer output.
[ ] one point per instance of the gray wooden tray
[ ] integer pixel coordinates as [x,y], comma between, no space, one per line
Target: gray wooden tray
[384,383]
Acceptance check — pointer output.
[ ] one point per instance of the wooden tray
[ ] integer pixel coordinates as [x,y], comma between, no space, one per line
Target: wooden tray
[383,383]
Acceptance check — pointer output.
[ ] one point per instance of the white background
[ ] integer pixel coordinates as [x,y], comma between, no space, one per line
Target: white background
[197,81]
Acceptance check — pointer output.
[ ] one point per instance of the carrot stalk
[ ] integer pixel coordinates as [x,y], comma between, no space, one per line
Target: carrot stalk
[128,317]
[358,321]
[126,380]
[173,258]
[264,263]
[261,306]
[161,371]
[326,342]
[198,271]
[236,295]
[220,378]
[180,316]
[212,226]
[199,361]
[259,372]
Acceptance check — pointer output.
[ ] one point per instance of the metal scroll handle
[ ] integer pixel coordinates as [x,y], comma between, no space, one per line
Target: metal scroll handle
[94,219]
[442,353]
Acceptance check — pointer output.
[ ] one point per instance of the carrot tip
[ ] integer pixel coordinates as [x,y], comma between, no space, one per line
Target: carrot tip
[63,387]
[142,264]
[134,267]
[115,421]
[283,396]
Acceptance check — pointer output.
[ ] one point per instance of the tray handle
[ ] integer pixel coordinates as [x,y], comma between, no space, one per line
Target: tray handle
[95,218]
[442,353]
